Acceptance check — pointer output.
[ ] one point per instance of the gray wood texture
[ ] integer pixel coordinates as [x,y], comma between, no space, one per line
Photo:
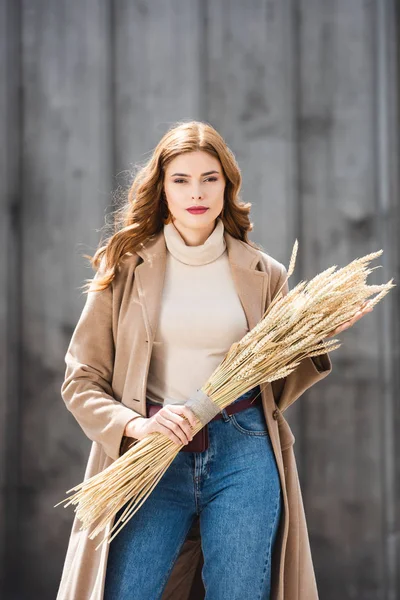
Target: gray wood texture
[10,286]
[306,94]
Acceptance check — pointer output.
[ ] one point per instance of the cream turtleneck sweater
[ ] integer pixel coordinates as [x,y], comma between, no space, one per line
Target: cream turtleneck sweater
[200,316]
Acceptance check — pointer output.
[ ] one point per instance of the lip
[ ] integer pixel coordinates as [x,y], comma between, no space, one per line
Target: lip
[197,210]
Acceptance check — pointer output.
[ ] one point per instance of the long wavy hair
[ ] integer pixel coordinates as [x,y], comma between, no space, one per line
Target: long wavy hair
[144,209]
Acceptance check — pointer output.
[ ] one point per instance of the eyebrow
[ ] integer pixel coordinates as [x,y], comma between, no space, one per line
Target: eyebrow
[202,175]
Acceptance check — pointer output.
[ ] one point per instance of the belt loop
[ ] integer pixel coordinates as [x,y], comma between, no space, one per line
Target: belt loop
[225,415]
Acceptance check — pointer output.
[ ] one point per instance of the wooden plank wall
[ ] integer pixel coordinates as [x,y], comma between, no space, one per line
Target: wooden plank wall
[347,211]
[10,284]
[67,174]
[305,93]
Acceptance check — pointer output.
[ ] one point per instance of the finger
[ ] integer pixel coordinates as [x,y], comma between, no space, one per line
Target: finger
[174,426]
[365,310]
[350,323]
[180,419]
[341,328]
[186,412]
[189,414]
[357,317]
[333,332]
[166,431]
[182,422]
[337,330]
[367,305]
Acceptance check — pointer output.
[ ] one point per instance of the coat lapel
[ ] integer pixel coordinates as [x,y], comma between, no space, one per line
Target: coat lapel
[250,280]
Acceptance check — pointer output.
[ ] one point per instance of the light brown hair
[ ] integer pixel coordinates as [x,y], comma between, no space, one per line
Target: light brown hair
[144,210]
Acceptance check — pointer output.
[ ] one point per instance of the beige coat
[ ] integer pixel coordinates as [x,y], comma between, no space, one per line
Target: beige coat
[105,385]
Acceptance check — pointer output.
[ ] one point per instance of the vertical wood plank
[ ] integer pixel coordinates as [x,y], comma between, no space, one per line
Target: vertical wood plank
[159,50]
[387,101]
[344,488]
[67,181]
[10,242]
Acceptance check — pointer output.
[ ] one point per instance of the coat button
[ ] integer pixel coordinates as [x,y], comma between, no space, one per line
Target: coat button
[275,414]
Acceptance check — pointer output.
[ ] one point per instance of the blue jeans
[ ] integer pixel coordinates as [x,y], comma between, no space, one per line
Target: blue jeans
[234,487]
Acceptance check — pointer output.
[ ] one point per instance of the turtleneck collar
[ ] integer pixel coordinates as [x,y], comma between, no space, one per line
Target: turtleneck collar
[212,248]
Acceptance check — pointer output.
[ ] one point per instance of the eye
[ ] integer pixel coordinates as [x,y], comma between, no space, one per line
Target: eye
[184,180]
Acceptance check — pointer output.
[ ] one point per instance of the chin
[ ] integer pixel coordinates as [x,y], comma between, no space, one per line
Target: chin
[196,222]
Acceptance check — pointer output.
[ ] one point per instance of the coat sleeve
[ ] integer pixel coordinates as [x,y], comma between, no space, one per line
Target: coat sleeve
[86,389]
[310,370]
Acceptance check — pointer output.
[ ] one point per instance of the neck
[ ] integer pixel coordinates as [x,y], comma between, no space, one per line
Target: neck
[195,237]
[200,254]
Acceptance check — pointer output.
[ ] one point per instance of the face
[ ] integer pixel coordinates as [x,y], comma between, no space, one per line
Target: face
[194,179]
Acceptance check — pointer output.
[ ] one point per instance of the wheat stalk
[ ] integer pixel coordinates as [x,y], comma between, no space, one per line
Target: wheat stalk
[291,329]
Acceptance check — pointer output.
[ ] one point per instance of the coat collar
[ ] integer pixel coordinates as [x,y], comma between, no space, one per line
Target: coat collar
[248,271]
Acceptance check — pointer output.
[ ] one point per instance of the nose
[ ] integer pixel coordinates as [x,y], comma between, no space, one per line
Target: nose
[198,195]
[196,191]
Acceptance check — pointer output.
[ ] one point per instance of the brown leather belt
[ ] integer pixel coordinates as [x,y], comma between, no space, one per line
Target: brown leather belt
[200,441]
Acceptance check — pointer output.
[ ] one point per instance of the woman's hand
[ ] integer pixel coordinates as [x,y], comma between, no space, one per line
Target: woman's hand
[173,420]
[362,311]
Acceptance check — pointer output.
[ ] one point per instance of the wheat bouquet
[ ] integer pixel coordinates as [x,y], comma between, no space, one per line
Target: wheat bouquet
[291,329]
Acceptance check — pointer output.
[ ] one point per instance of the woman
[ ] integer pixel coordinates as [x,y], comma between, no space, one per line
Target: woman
[180,275]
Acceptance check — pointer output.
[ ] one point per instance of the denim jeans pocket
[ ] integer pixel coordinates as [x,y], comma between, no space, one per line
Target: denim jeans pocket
[250,421]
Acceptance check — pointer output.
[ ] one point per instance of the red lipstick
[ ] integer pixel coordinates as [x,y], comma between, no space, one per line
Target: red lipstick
[197,210]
